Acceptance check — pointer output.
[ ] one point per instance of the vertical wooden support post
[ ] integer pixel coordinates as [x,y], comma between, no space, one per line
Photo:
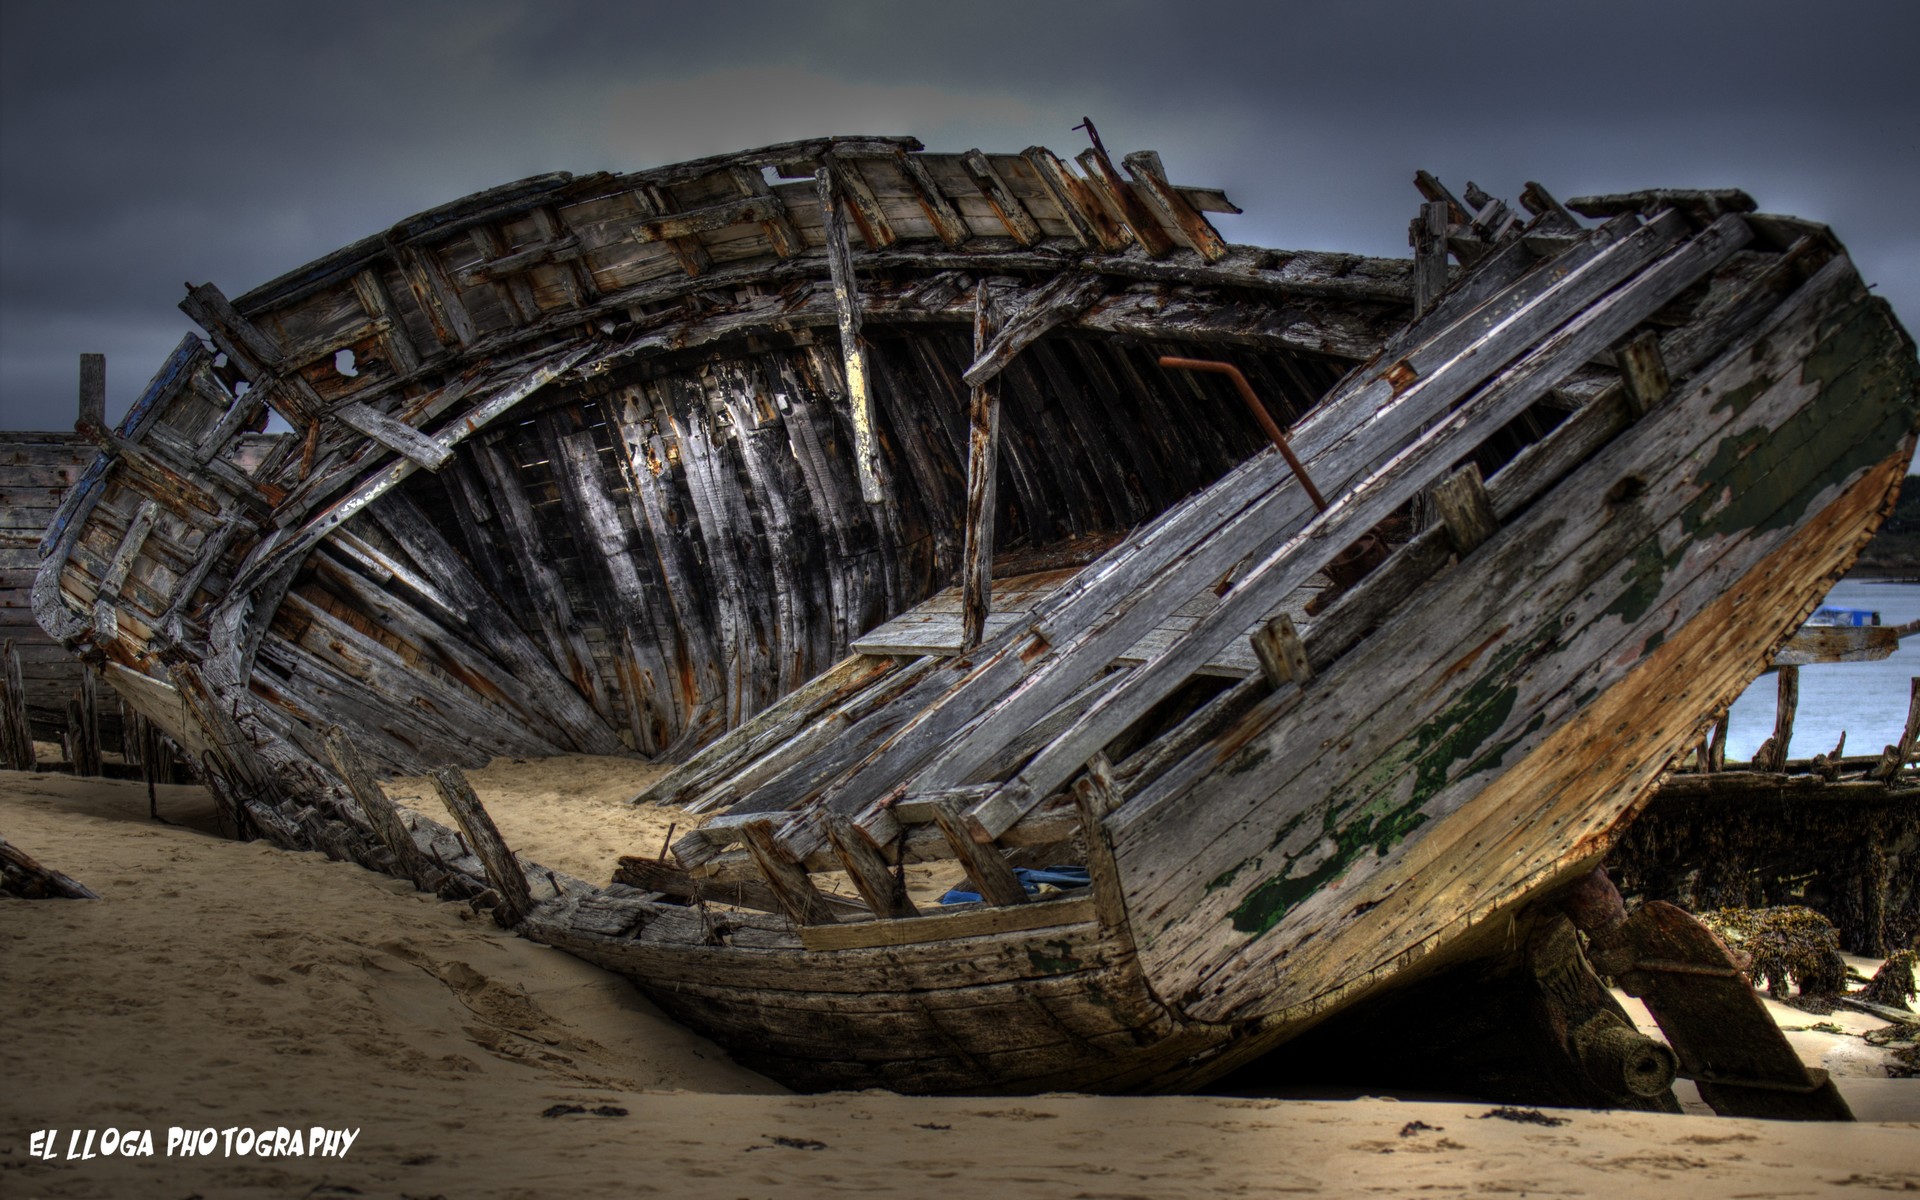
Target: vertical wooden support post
[884,892]
[503,869]
[1717,747]
[792,887]
[991,876]
[83,728]
[983,444]
[381,813]
[1786,701]
[1428,235]
[853,352]
[1095,796]
[16,731]
[93,392]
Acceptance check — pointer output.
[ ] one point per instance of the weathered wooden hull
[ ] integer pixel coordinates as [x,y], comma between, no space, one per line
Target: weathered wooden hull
[600,478]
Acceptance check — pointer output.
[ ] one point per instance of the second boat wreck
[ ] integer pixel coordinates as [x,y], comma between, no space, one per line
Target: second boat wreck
[910,503]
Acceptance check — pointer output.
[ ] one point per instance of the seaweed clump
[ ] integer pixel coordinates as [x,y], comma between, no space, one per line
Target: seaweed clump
[1893,984]
[1787,945]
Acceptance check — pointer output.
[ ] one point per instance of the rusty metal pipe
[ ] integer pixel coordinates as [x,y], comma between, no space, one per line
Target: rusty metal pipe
[1259,412]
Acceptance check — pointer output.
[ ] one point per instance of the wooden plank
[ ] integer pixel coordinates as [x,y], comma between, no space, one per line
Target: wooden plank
[397,436]
[965,922]
[377,302]
[1172,206]
[1391,485]
[680,231]
[1084,214]
[1461,500]
[1772,754]
[1895,757]
[657,875]
[1019,223]
[869,215]
[503,869]
[792,888]
[853,351]
[979,858]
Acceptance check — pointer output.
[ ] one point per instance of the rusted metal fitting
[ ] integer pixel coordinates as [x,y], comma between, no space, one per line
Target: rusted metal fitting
[1260,414]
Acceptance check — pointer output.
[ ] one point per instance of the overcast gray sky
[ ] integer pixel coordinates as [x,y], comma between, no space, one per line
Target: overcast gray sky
[146,145]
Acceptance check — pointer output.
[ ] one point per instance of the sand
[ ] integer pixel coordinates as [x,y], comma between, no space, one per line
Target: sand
[233,985]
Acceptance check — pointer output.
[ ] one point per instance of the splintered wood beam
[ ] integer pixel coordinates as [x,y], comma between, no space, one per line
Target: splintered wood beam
[983,442]
[792,887]
[883,890]
[1082,211]
[1282,655]
[1644,372]
[1895,757]
[503,869]
[397,436]
[1433,189]
[1095,796]
[1786,703]
[1428,234]
[21,875]
[853,352]
[93,391]
[869,215]
[981,860]
[947,222]
[1461,500]
[381,812]
[1020,225]
[779,231]
[1551,213]
[1118,196]
[681,230]
[1147,171]
[1054,303]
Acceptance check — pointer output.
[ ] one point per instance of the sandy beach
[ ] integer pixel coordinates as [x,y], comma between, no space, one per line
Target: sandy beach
[226,985]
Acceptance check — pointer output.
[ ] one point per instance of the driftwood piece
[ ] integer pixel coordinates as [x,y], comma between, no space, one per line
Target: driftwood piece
[503,869]
[21,876]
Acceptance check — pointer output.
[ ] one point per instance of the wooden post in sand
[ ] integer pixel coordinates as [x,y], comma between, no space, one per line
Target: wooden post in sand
[381,813]
[503,869]
[16,733]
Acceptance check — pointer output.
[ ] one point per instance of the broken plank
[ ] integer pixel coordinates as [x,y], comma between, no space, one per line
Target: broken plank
[503,869]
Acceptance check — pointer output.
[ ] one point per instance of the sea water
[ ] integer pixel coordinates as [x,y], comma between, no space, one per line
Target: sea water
[1868,700]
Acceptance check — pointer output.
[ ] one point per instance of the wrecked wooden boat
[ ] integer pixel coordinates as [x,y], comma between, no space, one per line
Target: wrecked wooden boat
[914,506]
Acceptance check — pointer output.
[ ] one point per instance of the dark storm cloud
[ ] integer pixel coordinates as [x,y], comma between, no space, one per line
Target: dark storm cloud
[142,145]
